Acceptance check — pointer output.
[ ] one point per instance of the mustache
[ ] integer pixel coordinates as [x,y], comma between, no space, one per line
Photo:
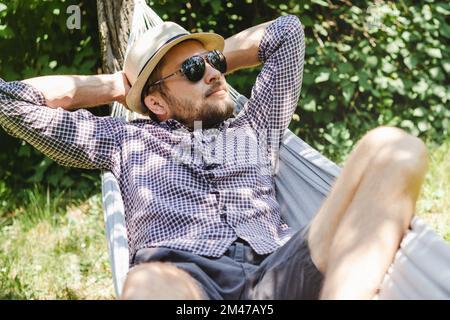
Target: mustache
[214,87]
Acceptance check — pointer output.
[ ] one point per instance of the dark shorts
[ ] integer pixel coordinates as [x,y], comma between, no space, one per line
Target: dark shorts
[241,273]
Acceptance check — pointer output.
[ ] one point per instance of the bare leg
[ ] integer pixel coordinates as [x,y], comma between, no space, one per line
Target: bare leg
[357,231]
[160,281]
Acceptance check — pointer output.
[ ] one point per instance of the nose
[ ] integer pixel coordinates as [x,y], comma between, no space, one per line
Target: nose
[211,74]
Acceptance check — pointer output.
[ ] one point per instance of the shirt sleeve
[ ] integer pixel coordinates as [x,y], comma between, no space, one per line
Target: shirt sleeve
[76,139]
[276,91]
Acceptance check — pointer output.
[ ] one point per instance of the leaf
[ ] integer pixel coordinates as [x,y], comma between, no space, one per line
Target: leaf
[6,32]
[426,12]
[310,105]
[319,28]
[382,81]
[320,3]
[406,35]
[437,74]
[306,21]
[334,77]
[372,61]
[418,112]
[393,47]
[388,67]
[443,9]
[445,30]
[440,92]
[348,92]
[329,138]
[343,47]
[446,66]
[421,87]
[407,124]
[423,126]
[396,85]
[216,6]
[308,78]
[322,77]
[356,10]
[53,64]
[434,52]
[411,62]
[345,67]
[311,48]
[345,134]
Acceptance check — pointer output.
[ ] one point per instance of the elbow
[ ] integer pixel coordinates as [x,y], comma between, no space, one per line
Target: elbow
[297,29]
[293,24]
[293,29]
[63,102]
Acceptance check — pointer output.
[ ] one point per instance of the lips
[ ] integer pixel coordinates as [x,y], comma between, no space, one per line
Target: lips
[214,90]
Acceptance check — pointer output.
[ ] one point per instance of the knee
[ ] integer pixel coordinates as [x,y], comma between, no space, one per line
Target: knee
[383,136]
[160,281]
[393,147]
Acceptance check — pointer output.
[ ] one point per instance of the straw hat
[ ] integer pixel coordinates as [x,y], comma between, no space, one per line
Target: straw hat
[149,49]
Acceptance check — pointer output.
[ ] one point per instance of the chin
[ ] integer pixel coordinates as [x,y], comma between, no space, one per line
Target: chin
[213,119]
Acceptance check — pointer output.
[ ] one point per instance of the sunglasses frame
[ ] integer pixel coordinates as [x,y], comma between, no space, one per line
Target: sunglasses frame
[204,56]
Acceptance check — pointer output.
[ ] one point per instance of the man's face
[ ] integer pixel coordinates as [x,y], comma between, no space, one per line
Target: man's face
[206,100]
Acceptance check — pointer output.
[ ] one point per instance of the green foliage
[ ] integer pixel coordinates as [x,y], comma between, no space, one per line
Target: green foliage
[35,40]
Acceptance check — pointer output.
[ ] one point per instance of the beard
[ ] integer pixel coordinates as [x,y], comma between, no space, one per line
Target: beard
[209,113]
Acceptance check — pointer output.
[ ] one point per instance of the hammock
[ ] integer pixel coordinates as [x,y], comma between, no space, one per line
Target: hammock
[420,270]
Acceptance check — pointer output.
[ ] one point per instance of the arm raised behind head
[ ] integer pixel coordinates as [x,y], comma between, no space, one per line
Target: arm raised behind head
[72,92]
[241,50]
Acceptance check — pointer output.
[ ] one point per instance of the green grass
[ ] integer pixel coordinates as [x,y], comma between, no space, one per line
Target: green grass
[54,246]
[434,202]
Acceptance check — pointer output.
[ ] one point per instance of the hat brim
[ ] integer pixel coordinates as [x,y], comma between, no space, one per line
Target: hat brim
[211,41]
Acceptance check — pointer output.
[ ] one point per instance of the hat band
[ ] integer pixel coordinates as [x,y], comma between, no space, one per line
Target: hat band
[160,47]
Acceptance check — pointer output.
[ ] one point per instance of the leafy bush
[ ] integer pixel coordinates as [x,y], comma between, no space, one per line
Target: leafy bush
[35,40]
[367,64]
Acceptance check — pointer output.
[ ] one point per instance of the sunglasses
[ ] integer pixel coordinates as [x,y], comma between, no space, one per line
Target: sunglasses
[193,68]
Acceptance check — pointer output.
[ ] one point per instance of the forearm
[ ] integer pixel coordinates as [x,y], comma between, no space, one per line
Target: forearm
[241,50]
[72,92]
[276,91]
[77,139]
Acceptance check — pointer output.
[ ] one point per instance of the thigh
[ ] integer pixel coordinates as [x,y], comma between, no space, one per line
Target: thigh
[220,278]
[325,223]
[288,273]
[159,280]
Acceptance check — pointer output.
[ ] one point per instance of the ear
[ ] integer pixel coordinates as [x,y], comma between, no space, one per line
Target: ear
[156,104]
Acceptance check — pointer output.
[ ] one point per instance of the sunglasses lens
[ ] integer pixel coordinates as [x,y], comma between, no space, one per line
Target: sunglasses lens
[218,61]
[194,68]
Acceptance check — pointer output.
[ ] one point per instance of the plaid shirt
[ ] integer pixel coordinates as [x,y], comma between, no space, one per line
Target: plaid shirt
[194,190]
